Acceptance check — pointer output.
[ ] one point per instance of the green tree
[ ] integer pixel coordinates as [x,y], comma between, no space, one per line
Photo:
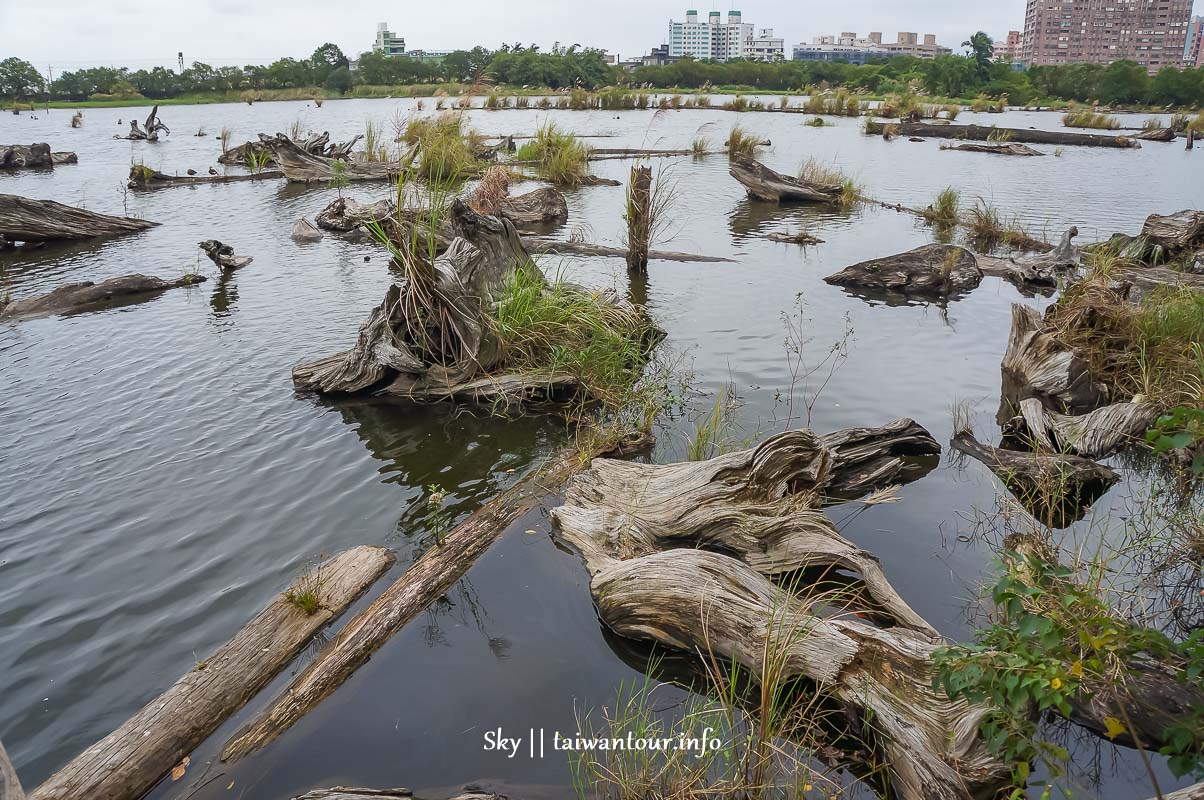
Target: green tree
[1124,82]
[982,50]
[18,78]
[339,80]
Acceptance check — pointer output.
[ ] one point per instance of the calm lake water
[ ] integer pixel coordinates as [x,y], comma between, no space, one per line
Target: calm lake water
[160,480]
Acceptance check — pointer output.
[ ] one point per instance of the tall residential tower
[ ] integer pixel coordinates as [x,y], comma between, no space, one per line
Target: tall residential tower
[1151,32]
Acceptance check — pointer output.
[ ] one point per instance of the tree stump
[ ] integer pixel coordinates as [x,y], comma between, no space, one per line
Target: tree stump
[639,218]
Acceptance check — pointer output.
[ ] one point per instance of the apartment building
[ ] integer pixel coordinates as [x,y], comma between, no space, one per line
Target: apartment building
[722,41]
[1009,49]
[1193,53]
[1151,32]
[909,44]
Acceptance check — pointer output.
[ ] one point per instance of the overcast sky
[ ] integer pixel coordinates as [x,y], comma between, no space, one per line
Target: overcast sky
[68,34]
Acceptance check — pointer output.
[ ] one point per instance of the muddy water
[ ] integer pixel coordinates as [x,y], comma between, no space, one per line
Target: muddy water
[160,480]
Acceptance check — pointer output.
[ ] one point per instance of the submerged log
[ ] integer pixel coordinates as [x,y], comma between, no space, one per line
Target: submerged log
[1035,271]
[127,762]
[764,184]
[682,554]
[26,220]
[589,249]
[985,133]
[1156,135]
[72,298]
[223,255]
[64,158]
[301,166]
[1038,364]
[793,238]
[537,209]
[430,576]
[1056,488]
[10,786]
[23,156]
[143,178]
[344,214]
[934,270]
[997,148]
[305,231]
[1093,435]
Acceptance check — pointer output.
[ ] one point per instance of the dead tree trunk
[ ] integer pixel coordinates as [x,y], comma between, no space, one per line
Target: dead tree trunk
[429,577]
[10,786]
[683,555]
[73,298]
[25,220]
[938,271]
[764,184]
[538,209]
[143,178]
[985,133]
[300,166]
[1038,364]
[127,762]
[21,156]
[1095,434]
[639,218]
[344,214]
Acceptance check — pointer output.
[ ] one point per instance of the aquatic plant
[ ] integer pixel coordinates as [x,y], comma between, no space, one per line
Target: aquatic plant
[256,159]
[711,435]
[558,156]
[1089,119]
[821,174]
[225,138]
[338,179]
[306,592]
[445,148]
[741,144]
[816,122]
[700,145]
[944,210]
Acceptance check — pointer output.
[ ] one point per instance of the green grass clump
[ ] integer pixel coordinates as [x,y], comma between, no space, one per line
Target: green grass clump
[445,148]
[1089,119]
[741,144]
[944,210]
[700,145]
[821,174]
[816,122]
[559,156]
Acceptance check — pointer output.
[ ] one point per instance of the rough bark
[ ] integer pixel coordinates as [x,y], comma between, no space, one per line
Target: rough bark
[143,178]
[1096,434]
[681,554]
[1038,364]
[10,786]
[26,220]
[1056,488]
[72,298]
[302,166]
[1193,792]
[26,156]
[935,271]
[429,577]
[764,184]
[1156,135]
[223,255]
[985,133]
[537,209]
[316,143]
[1035,271]
[345,214]
[997,148]
[589,249]
[868,459]
[1176,232]
[130,760]
[639,218]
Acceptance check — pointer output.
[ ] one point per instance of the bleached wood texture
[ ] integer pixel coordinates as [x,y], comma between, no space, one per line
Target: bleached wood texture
[766,185]
[26,220]
[72,298]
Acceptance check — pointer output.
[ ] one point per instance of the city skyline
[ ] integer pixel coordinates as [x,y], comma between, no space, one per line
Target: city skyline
[141,34]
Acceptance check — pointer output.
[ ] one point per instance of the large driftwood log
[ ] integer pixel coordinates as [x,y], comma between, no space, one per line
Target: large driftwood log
[10,786]
[639,529]
[26,220]
[537,209]
[1056,488]
[72,298]
[868,459]
[1038,364]
[764,184]
[1093,435]
[143,178]
[1035,270]
[22,156]
[317,143]
[344,214]
[934,270]
[429,577]
[995,148]
[130,760]
[1183,230]
[1155,135]
[983,133]
[539,245]
[301,166]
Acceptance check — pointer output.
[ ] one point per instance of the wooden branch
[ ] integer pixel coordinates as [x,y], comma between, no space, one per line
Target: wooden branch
[985,133]
[429,577]
[72,298]
[552,247]
[935,270]
[764,184]
[1095,434]
[10,786]
[996,148]
[127,762]
[300,166]
[26,220]
[145,179]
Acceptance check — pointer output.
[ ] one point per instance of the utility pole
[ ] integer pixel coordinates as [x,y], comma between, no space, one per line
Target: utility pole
[180,58]
[49,72]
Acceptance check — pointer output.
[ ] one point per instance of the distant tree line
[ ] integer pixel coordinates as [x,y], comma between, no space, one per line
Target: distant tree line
[1122,82]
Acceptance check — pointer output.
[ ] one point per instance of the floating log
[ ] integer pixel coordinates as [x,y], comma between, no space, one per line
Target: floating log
[1056,488]
[305,231]
[223,255]
[764,184]
[985,133]
[429,577]
[868,459]
[1038,364]
[72,298]
[143,178]
[1156,135]
[127,762]
[64,158]
[301,166]
[936,270]
[643,531]
[10,786]
[553,247]
[1035,271]
[997,148]
[26,156]
[350,793]
[1135,282]
[26,220]
[537,209]
[793,238]
[345,214]
[1095,434]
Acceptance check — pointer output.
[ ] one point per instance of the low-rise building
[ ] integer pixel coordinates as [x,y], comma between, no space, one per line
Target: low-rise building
[848,46]
[766,47]
[909,44]
[1010,49]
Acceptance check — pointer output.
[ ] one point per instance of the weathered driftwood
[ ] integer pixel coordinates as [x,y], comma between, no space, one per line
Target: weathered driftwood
[26,220]
[1193,792]
[1095,434]
[1155,135]
[934,270]
[151,132]
[984,133]
[344,214]
[223,255]
[72,298]
[429,577]
[536,209]
[553,247]
[681,554]
[871,458]
[10,786]
[316,143]
[351,793]
[26,156]
[1183,230]
[143,178]
[305,231]
[301,166]
[1038,364]
[793,238]
[764,184]
[996,148]
[130,760]
[1035,270]
[1056,488]
[64,158]
[1135,282]
[639,218]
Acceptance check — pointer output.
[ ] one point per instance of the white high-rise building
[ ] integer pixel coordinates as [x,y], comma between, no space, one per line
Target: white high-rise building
[387,43]
[719,40]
